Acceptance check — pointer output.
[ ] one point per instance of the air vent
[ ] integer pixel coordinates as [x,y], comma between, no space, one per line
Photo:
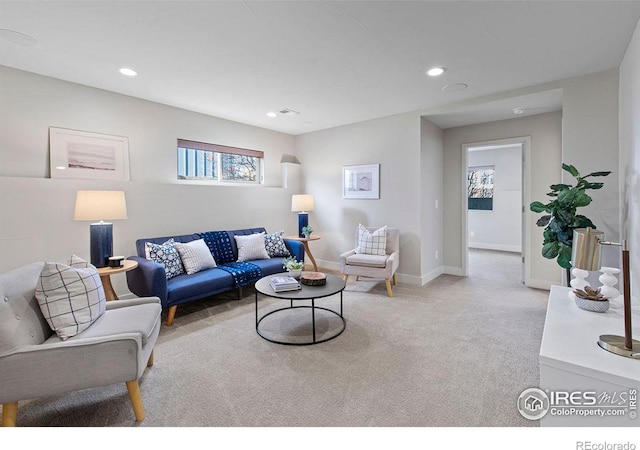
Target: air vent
[287,112]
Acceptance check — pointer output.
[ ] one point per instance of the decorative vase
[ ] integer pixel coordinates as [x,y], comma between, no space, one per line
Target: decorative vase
[579,281]
[295,273]
[592,305]
[608,281]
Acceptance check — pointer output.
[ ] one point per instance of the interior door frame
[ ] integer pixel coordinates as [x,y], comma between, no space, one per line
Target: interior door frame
[525,141]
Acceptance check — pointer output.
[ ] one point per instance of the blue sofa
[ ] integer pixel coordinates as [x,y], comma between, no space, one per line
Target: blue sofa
[149,278]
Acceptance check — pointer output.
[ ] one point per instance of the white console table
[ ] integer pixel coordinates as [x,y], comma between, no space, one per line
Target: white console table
[571,360]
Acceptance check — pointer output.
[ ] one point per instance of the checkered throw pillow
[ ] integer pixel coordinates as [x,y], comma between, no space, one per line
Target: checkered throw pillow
[369,243]
[71,297]
[251,247]
[195,256]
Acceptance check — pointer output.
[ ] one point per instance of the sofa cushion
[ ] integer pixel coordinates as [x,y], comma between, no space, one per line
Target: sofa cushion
[275,245]
[167,255]
[198,285]
[251,247]
[195,256]
[71,297]
[360,259]
[269,266]
[369,243]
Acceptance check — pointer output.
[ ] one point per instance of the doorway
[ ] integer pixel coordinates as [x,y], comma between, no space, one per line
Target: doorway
[495,194]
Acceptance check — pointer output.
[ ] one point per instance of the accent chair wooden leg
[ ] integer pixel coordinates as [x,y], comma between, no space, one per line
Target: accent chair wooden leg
[136,399]
[9,414]
[150,362]
[389,291]
[171,315]
[395,280]
[345,277]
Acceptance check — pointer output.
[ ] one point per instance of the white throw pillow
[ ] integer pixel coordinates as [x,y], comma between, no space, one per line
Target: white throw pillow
[195,256]
[71,297]
[369,243]
[251,247]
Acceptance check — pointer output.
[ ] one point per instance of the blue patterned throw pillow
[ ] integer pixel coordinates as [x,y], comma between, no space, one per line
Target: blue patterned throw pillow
[275,245]
[167,255]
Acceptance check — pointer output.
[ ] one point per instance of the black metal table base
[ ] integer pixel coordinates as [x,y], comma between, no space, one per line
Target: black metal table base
[313,308]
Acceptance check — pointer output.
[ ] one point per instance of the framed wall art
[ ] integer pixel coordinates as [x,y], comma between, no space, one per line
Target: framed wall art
[361,181]
[81,154]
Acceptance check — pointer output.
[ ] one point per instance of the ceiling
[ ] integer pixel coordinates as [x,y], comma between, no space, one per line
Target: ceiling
[333,62]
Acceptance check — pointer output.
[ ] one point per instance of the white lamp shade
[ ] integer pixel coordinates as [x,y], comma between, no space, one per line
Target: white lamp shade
[302,202]
[100,205]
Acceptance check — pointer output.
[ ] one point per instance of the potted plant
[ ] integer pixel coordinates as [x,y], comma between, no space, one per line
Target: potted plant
[307,230]
[561,216]
[591,299]
[293,266]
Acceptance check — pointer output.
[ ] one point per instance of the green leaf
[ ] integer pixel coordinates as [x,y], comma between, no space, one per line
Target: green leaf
[544,221]
[552,194]
[564,262]
[593,185]
[550,250]
[559,187]
[572,170]
[538,207]
[582,222]
[565,198]
[598,174]
[581,199]
[565,251]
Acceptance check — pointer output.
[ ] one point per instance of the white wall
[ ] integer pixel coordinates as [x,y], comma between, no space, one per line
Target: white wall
[394,143]
[500,228]
[546,148]
[36,211]
[431,154]
[629,164]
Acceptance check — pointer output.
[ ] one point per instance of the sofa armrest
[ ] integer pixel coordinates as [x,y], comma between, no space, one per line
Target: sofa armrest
[296,248]
[148,279]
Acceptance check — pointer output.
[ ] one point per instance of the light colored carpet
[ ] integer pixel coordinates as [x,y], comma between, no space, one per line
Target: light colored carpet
[456,352]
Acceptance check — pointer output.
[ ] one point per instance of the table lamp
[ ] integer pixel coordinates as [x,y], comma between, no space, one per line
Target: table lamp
[100,205]
[301,204]
[586,256]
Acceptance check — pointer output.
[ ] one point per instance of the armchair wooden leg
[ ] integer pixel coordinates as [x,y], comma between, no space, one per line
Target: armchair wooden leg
[150,362]
[345,277]
[395,280]
[389,291]
[9,414]
[171,315]
[136,399]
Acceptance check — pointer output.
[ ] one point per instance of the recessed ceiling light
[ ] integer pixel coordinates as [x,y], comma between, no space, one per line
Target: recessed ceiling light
[518,110]
[271,114]
[18,38]
[434,72]
[455,87]
[128,72]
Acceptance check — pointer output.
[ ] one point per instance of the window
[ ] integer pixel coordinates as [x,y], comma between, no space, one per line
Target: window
[213,162]
[480,187]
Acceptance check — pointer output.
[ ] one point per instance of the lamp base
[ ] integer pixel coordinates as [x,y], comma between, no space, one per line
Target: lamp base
[101,235]
[303,221]
[615,344]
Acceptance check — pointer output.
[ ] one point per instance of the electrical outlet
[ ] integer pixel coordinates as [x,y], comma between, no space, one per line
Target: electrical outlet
[472,233]
[436,254]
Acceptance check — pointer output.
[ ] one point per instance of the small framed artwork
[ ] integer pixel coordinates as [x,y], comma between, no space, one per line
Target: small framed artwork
[81,154]
[361,181]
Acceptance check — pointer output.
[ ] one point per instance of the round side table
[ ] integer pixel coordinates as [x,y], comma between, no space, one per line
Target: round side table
[105,275]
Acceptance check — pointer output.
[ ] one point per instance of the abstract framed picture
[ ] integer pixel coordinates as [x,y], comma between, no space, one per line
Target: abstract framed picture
[361,181]
[81,154]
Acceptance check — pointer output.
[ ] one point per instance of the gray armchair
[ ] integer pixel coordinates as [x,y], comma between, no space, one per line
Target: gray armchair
[374,266]
[35,362]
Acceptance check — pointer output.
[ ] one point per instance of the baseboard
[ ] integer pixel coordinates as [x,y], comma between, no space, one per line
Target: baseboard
[449,270]
[498,247]
[540,284]
[401,277]
[431,275]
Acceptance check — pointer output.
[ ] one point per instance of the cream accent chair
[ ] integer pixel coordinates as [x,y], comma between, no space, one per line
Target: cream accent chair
[374,266]
[35,362]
